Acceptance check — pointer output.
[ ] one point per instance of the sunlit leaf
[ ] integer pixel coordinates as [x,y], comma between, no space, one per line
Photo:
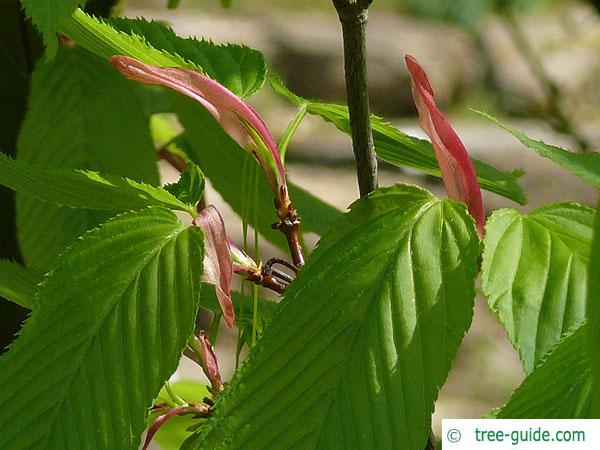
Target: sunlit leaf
[371,323]
[535,271]
[112,320]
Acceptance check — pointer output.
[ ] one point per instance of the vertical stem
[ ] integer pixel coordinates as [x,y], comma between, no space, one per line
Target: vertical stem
[353,17]
[257,258]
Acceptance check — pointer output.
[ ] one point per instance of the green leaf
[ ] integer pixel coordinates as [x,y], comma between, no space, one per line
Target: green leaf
[222,161]
[18,284]
[585,165]
[400,149]
[593,313]
[113,318]
[47,17]
[365,335]
[558,388]
[190,187]
[171,435]
[239,68]
[82,115]
[84,189]
[534,274]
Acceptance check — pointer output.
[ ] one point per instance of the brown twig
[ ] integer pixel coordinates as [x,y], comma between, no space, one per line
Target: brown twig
[289,225]
[256,276]
[175,161]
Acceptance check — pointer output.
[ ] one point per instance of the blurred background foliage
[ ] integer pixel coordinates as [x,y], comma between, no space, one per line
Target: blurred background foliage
[467,14]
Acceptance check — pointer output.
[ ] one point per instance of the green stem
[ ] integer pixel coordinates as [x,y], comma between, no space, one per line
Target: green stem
[559,121]
[256,258]
[173,396]
[291,130]
[353,17]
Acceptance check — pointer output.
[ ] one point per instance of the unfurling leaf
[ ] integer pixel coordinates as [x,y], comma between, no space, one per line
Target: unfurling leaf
[210,366]
[237,118]
[218,265]
[18,284]
[221,159]
[458,172]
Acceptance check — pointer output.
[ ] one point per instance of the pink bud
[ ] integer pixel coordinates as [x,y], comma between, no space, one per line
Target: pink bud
[236,117]
[458,172]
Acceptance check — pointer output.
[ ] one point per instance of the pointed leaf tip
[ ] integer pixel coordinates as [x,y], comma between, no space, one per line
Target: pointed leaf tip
[218,265]
[458,172]
[237,118]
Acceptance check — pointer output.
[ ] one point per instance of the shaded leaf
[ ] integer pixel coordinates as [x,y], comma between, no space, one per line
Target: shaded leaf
[593,314]
[534,274]
[190,187]
[364,337]
[113,318]
[48,15]
[241,69]
[18,284]
[76,120]
[84,189]
[243,304]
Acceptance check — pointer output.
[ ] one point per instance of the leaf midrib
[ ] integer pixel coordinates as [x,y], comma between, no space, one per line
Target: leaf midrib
[384,271]
[77,367]
[349,233]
